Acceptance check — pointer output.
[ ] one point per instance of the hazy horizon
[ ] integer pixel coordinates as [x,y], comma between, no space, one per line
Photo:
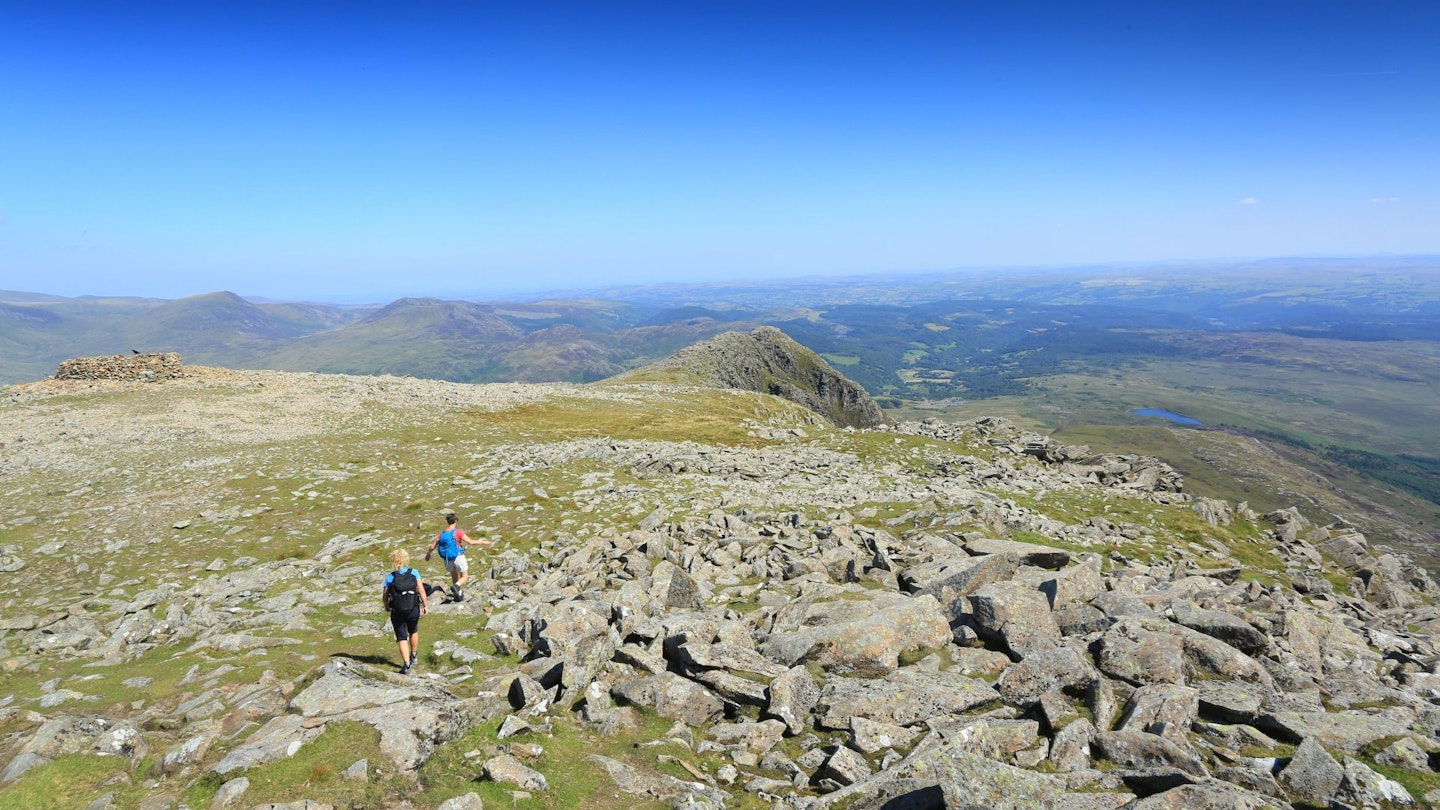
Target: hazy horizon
[361,153]
[1384,263]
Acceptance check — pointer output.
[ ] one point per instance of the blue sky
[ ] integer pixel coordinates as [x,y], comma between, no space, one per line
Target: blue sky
[361,151]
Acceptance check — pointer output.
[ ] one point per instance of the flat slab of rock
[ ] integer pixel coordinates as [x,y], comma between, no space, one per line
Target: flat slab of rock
[1148,650]
[469,801]
[869,643]
[1136,653]
[956,576]
[947,775]
[656,785]
[21,763]
[758,737]
[508,770]
[673,697]
[870,737]
[277,739]
[734,688]
[340,689]
[1208,795]
[1134,749]
[1363,787]
[1026,553]
[1335,731]
[1229,701]
[412,715]
[993,737]
[730,657]
[1057,669]
[1161,704]
[1230,629]
[902,698]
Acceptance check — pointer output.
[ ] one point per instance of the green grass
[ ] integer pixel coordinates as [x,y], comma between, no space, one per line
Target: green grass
[315,772]
[1243,540]
[711,417]
[1417,783]
[1256,556]
[584,784]
[1278,751]
[68,782]
[1177,448]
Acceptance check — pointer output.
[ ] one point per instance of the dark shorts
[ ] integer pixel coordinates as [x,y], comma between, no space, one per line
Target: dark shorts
[405,624]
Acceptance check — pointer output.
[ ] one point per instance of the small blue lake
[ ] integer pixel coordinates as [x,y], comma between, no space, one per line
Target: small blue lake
[1173,417]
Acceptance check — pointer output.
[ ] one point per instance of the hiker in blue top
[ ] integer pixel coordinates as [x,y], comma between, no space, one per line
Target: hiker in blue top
[404,596]
[451,544]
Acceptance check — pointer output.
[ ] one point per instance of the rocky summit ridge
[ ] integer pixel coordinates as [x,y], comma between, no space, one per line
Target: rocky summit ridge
[768,361]
[698,598]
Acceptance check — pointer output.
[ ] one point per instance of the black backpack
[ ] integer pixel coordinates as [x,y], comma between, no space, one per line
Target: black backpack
[404,587]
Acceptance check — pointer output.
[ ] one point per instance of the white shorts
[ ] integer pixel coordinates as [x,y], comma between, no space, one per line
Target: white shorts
[457,565]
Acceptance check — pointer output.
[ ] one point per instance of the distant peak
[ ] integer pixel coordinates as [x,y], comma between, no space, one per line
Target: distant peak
[768,361]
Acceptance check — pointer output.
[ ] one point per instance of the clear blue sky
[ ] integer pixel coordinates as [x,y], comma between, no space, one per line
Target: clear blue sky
[360,151]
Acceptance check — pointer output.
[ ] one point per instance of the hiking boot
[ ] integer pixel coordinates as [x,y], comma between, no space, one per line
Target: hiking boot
[414,658]
[405,670]
[459,594]
[455,593]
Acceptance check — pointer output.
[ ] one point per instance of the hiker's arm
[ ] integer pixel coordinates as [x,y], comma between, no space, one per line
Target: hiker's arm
[431,549]
[424,599]
[474,541]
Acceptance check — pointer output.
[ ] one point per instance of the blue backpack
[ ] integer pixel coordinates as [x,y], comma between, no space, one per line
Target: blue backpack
[448,547]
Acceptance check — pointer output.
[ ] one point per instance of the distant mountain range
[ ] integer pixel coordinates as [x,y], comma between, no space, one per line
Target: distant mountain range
[423,337]
[906,336]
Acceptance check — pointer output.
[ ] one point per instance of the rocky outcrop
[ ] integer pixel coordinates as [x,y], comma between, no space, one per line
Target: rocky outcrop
[143,367]
[1175,684]
[767,361]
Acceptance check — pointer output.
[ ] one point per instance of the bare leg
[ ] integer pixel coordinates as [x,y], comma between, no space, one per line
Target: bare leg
[458,576]
[404,652]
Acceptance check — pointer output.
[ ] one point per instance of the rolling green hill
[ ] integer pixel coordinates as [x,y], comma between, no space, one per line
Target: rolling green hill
[218,327]
[415,336]
[211,328]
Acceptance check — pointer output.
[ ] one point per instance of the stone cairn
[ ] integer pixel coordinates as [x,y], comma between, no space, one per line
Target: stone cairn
[147,367]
